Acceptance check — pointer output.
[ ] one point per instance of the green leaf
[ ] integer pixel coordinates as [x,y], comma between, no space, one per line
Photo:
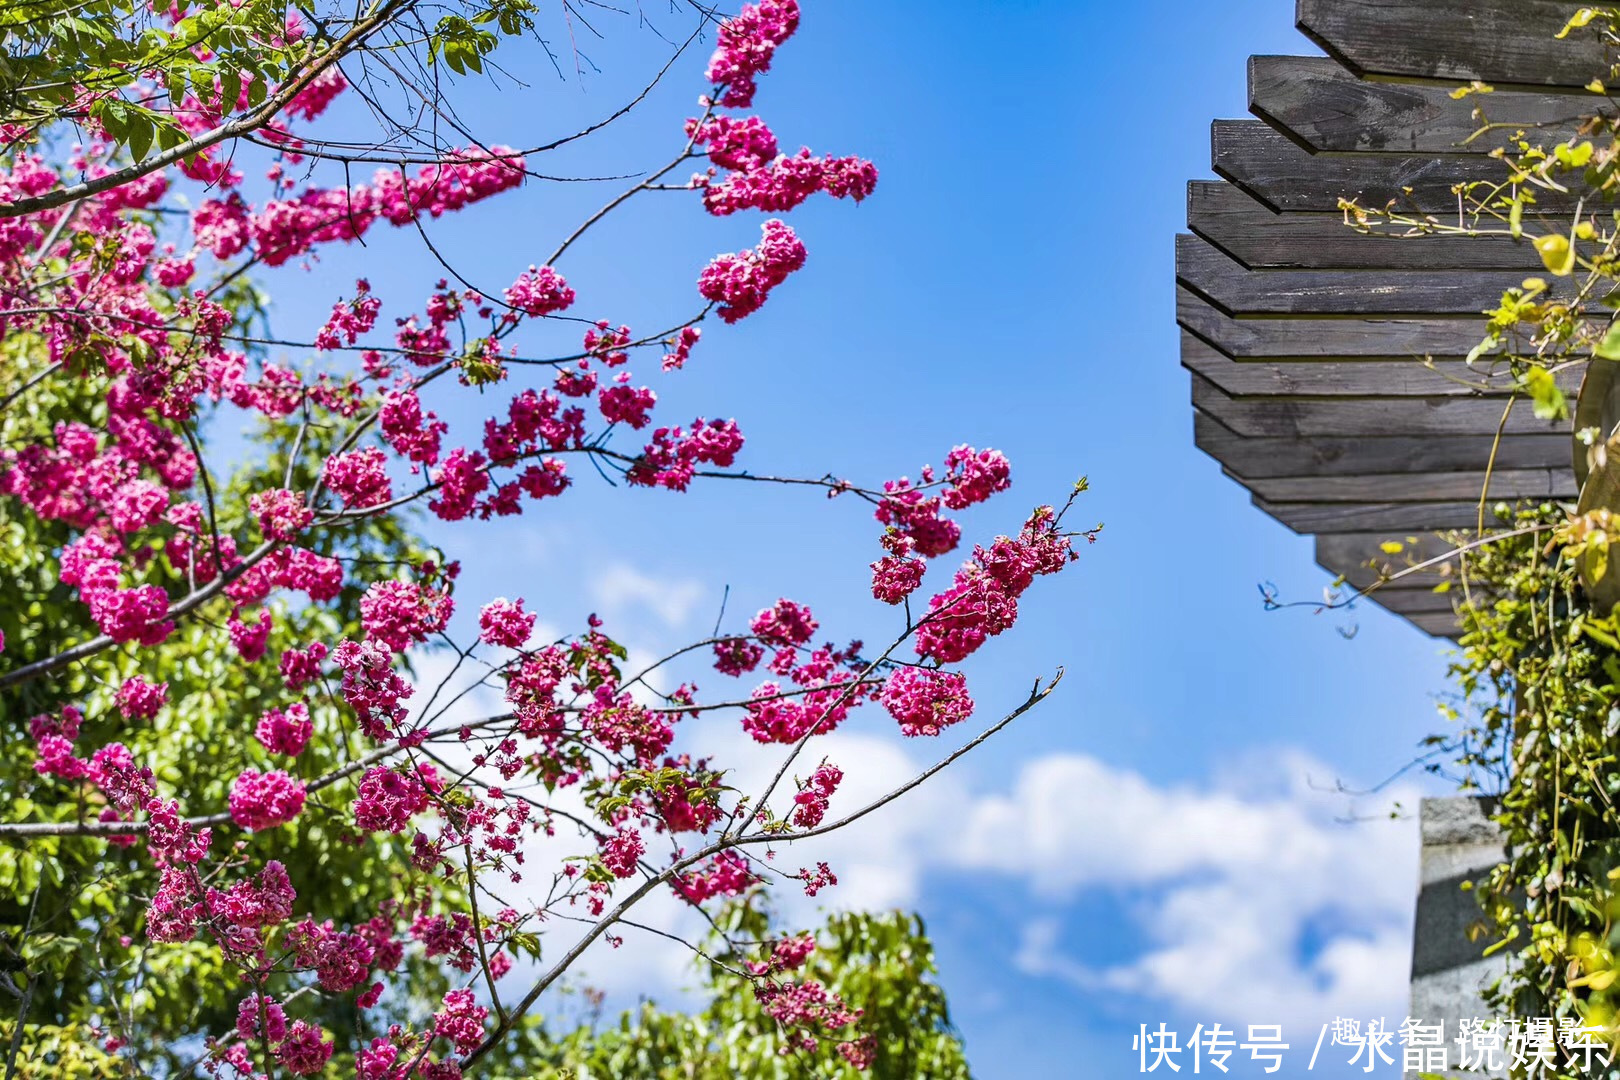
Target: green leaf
[230,90]
[1550,402]
[139,139]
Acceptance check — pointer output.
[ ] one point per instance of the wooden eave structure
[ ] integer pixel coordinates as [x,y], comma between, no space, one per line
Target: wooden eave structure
[1305,339]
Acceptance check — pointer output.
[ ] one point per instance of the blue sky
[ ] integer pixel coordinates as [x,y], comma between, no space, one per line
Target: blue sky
[1153,844]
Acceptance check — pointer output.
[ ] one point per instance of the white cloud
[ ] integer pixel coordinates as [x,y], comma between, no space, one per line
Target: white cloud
[1259,907]
[622,587]
[1258,897]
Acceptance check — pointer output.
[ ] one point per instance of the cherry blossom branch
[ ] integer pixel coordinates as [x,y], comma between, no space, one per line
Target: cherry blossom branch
[685,154]
[30,829]
[272,106]
[1036,695]
[727,843]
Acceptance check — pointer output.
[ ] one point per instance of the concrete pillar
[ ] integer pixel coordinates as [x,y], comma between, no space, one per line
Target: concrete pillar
[1449,974]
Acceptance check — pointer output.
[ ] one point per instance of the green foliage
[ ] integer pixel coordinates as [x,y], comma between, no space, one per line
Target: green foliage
[50,1052]
[882,964]
[1541,672]
[114,62]
[120,65]
[1539,668]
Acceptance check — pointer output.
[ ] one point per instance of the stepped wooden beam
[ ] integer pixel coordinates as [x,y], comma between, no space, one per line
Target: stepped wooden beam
[1327,364]
[1507,41]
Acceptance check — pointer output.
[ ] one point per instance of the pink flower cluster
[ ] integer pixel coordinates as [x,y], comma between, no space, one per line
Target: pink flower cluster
[727,874]
[410,430]
[895,577]
[783,624]
[672,458]
[282,230]
[622,851]
[141,700]
[810,804]
[398,614]
[371,686]
[300,667]
[504,622]
[387,800]
[761,179]
[281,514]
[304,1051]
[684,341]
[461,1021]
[983,598]
[539,291]
[828,691]
[359,478]
[265,800]
[806,1009]
[285,732]
[350,319]
[740,283]
[736,656]
[815,880]
[926,701]
[746,44]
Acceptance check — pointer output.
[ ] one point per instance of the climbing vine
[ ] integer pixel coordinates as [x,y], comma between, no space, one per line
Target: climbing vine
[1536,721]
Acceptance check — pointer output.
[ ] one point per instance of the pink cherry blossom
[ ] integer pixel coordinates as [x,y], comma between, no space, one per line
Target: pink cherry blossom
[398,614]
[539,292]
[265,800]
[387,800]
[141,700]
[359,478]
[285,732]
[504,622]
[303,1052]
[741,283]
[746,44]
[926,701]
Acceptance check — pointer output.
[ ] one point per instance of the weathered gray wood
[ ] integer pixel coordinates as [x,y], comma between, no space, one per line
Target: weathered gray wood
[1509,484]
[1361,559]
[1237,290]
[1261,458]
[1262,239]
[1326,338]
[1412,601]
[1310,417]
[1362,576]
[1275,170]
[1348,555]
[1352,378]
[1323,106]
[1365,517]
[1437,625]
[1496,41]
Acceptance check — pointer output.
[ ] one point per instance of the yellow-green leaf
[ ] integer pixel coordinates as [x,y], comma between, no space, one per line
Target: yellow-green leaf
[1557,254]
[1580,19]
[1609,347]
